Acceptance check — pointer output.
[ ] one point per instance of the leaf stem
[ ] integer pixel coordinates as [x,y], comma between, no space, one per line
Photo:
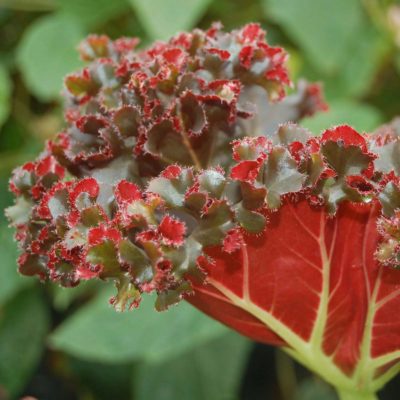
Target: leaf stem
[188,145]
[348,395]
[286,374]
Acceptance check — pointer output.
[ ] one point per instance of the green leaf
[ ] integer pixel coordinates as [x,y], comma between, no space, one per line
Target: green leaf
[345,161]
[173,191]
[324,29]
[104,254]
[6,198]
[390,199]
[281,176]
[137,259]
[24,323]
[101,381]
[163,18]
[91,13]
[10,280]
[47,53]
[96,332]
[212,371]
[20,211]
[5,92]
[250,220]
[361,117]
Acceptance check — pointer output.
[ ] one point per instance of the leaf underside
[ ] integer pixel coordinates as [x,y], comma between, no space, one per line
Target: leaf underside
[314,281]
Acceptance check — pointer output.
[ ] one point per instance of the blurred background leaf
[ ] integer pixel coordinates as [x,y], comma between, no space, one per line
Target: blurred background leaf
[5,94]
[362,117]
[325,30]
[97,332]
[29,5]
[162,19]
[338,40]
[196,374]
[10,280]
[24,322]
[91,13]
[47,52]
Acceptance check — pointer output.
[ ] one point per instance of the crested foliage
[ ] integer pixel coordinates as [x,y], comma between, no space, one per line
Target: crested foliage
[137,184]
[182,146]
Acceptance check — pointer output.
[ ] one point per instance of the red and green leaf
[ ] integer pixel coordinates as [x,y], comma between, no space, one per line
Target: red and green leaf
[311,281]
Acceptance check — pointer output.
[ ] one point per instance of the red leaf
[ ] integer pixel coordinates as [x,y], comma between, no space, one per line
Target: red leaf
[86,185]
[252,32]
[222,54]
[100,234]
[246,56]
[233,241]
[48,165]
[171,172]
[245,171]
[303,280]
[345,133]
[172,231]
[174,56]
[126,192]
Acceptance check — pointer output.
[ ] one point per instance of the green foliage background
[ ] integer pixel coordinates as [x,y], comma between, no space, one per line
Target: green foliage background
[69,344]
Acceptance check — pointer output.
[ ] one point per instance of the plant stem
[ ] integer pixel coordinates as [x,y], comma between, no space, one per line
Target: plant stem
[188,145]
[349,395]
[286,374]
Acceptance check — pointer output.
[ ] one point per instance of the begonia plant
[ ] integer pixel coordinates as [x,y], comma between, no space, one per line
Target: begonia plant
[182,171]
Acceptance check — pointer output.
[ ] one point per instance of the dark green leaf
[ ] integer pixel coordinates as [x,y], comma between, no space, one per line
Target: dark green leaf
[137,259]
[24,322]
[214,225]
[212,371]
[10,280]
[104,254]
[97,332]
[5,92]
[105,381]
[250,220]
